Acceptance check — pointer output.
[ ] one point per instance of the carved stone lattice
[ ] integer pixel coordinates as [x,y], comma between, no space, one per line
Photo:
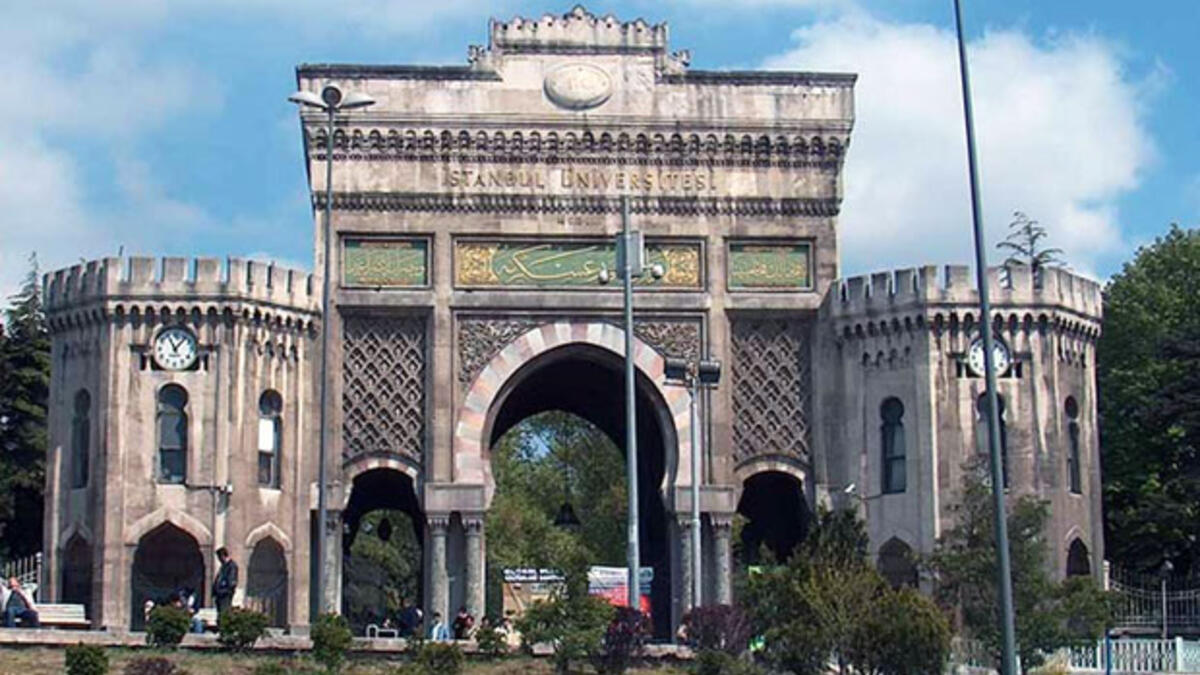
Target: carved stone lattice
[383,398]
[481,339]
[771,387]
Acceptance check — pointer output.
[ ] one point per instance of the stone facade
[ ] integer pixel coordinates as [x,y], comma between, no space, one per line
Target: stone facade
[474,208]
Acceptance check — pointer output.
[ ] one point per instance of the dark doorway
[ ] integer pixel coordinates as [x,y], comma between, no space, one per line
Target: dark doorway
[267,582]
[588,382]
[1079,561]
[167,560]
[897,564]
[77,574]
[383,528]
[777,516]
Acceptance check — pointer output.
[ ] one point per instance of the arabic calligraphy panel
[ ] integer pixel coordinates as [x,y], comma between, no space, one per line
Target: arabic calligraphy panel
[760,265]
[385,262]
[567,264]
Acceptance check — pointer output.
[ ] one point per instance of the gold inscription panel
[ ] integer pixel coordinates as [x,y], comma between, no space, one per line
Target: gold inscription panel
[585,180]
[385,262]
[770,265]
[567,264]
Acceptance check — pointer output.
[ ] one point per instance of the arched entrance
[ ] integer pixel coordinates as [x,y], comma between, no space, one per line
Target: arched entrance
[382,534]
[76,588]
[777,516]
[267,581]
[1079,561]
[167,559]
[588,381]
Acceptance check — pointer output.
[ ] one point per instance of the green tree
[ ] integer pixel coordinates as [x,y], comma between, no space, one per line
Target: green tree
[541,462]
[1148,372]
[828,603]
[382,556]
[24,391]
[1049,614]
[1024,244]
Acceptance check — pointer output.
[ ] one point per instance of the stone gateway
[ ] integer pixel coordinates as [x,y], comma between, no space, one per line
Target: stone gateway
[474,207]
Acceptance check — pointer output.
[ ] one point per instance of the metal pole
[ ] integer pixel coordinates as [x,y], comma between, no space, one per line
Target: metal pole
[1003,573]
[319,582]
[696,585]
[633,557]
[1164,607]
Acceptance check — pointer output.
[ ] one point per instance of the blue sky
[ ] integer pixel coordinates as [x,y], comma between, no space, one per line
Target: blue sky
[161,128]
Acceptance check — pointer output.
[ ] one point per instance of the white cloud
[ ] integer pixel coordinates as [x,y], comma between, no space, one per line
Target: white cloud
[1059,127]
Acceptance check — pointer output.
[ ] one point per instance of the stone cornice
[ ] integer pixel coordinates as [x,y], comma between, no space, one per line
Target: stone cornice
[354,71]
[523,203]
[815,149]
[763,78]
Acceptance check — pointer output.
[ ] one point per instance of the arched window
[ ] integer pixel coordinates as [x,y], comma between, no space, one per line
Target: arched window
[1078,559]
[1074,469]
[270,436]
[896,564]
[895,470]
[172,434]
[982,431]
[81,436]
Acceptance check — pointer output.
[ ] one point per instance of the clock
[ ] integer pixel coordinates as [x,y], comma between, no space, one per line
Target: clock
[175,348]
[1000,356]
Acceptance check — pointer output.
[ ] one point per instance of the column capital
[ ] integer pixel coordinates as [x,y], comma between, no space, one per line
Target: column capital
[438,522]
[473,524]
[721,522]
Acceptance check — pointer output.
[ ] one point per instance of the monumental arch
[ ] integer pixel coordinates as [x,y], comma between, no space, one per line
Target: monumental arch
[474,207]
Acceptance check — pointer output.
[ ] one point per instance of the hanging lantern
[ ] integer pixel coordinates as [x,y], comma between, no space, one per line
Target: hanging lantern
[566,517]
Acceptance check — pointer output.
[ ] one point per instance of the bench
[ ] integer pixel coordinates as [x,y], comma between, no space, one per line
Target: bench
[208,615]
[66,616]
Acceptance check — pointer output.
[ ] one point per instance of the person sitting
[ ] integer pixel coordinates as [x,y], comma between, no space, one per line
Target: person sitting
[185,600]
[20,607]
[464,624]
[438,631]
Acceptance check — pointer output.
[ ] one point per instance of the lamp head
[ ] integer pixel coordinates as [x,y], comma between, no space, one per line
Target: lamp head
[307,98]
[355,100]
[675,368]
[331,95]
[850,489]
[604,276]
[657,270]
[709,372]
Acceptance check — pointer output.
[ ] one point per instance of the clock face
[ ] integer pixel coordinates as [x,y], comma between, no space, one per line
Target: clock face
[175,349]
[1000,356]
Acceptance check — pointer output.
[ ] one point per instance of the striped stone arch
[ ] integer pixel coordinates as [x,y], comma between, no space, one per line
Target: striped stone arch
[471,466]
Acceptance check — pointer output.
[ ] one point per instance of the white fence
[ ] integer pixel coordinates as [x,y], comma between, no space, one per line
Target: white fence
[1127,656]
[27,570]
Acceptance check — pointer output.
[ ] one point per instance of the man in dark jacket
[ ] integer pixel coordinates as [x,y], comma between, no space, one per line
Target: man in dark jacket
[226,582]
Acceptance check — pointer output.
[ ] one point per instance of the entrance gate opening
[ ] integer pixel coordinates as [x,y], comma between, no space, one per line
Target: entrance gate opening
[167,560]
[588,381]
[381,548]
[777,516]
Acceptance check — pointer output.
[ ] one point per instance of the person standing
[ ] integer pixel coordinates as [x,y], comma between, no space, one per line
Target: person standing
[225,584]
[19,607]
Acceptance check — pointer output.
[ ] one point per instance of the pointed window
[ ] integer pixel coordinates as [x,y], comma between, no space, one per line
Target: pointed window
[270,437]
[895,469]
[172,434]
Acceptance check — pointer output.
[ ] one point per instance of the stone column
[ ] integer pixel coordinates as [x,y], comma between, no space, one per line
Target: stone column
[333,563]
[439,595]
[722,537]
[473,528]
[683,521]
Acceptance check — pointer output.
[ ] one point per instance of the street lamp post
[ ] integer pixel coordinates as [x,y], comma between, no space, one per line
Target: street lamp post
[631,261]
[1165,573]
[694,375]
[331,101]
[992,414]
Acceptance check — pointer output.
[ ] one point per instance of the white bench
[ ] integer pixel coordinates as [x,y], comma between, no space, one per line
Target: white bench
[67,616]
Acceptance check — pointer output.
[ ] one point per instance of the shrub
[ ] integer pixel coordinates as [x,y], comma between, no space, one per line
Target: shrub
[331,639]
[86,660]
[574,626]
[492,641]
[167,625]
[152,665]
[626,634]
[240,628]
[271,668]
[716,662]
[725,628]
[440,658]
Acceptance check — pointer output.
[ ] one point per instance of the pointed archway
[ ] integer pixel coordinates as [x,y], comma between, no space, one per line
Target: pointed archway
[167,559]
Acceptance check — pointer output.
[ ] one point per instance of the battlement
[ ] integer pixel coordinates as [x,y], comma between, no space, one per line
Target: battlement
[955,285]
[577,30]
[146,278]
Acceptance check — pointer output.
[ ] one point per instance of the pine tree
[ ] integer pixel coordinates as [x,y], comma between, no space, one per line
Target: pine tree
[1024,247]
[24,392]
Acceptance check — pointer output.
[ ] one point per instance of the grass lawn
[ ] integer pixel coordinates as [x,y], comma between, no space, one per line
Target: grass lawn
[49,661]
